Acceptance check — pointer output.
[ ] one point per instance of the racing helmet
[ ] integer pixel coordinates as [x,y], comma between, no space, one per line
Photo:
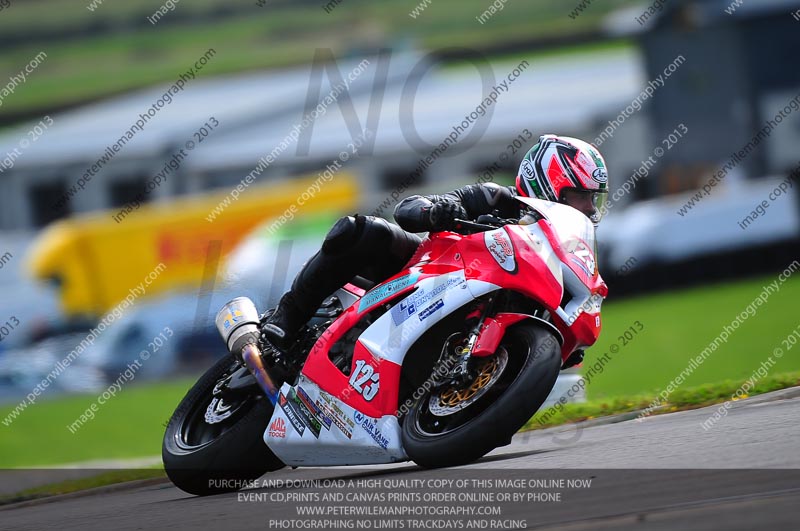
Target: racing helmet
[565,170]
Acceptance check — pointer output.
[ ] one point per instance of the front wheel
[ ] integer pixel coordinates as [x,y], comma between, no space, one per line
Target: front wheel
[213,442]
[453,426]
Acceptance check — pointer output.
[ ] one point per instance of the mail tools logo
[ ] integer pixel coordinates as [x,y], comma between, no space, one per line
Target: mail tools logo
[278,428]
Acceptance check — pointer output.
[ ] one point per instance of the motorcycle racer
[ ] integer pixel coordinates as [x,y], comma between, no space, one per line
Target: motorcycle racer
[557,168]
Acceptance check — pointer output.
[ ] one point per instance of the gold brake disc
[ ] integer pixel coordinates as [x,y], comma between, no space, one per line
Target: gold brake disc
[452,399]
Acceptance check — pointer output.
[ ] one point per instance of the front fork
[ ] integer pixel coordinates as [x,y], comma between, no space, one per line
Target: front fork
[460,374]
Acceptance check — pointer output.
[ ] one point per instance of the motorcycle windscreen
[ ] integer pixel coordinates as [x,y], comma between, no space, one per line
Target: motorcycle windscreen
[575,232]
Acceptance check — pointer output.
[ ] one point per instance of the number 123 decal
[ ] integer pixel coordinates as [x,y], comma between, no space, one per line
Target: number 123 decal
[365,380]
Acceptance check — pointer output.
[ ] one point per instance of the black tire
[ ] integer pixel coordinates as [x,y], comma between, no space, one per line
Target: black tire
[495,417]
[227,454]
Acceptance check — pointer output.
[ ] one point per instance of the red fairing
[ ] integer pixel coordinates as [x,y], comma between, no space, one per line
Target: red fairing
[319,368]
[355,290]
[529,274]
[505,257]
[583,332]
[579,257]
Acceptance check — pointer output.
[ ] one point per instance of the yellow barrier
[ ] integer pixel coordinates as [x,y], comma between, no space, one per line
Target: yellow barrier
[95,261]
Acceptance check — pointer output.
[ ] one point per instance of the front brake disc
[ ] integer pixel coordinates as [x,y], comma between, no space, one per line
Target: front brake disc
[451,400]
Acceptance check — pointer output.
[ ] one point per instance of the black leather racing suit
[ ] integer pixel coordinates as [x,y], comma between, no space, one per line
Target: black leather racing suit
[375,249]
[476,199]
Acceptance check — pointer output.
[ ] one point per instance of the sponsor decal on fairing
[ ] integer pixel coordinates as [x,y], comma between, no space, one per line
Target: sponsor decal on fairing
[315,410]
[304,413]
[387,290]
[291,414]
[403,310]
[409,306]
[371,427]
[583,257]
[498,243]
[430,310]
[277,428]
[370,441]
[337,416]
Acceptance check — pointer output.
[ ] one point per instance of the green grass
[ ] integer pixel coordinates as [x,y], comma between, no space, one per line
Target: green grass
[677,326]
[119,50]
[682,399]
[128,426]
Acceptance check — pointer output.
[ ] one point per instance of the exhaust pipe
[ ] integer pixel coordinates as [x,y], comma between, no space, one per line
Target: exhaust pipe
[237,323]
[252,360]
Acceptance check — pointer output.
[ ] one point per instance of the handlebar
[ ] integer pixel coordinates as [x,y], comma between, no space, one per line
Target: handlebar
[485,222]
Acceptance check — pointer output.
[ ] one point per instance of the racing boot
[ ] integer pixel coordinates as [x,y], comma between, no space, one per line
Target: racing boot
[280,329]
[319,277]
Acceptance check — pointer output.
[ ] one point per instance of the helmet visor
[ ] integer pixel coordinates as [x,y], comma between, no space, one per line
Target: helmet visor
[600,201]
[591,202]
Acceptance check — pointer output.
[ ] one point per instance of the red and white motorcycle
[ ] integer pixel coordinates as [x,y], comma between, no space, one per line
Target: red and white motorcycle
[439,364]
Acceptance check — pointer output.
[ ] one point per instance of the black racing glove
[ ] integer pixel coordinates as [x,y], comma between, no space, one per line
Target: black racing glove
[442,215]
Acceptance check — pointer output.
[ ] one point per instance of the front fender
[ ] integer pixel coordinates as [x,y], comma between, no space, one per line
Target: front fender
[494,328]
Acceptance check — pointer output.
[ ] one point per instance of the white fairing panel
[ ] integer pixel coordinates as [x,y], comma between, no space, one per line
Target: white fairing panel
[391,335]
[310,427]
[569,224]
[538,243]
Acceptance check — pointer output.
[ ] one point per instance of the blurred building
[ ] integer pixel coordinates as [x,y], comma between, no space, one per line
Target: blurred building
[738,75]
[413,101]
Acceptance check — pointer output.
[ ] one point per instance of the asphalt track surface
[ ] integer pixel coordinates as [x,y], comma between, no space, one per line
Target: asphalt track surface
[665,472]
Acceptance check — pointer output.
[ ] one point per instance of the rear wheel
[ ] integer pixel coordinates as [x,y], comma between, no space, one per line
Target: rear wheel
[213,442]
[451,426]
